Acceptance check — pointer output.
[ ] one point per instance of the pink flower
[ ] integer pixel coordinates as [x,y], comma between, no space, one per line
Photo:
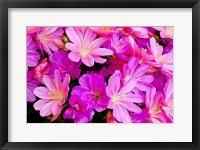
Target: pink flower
[50,38]
[166,32]
[122,100]
[92,90]
[32,55]
[53,96]
[134,71]
[140,53]
[140,32]
[84,46]
[153,112]
[165,61]
[32,30]
[105,31]
[119,47]
[80,111]
[168,90]
[41,69]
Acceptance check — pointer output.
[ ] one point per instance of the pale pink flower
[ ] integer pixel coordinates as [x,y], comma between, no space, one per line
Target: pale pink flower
[53,96]
[153,112]
[133,70]
[86,47]
[168,90]
[119,47]
[122,100]
[166,32]
[165,61]
[50,38]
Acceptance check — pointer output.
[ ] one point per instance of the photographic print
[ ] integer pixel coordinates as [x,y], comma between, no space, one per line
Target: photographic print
[99,74]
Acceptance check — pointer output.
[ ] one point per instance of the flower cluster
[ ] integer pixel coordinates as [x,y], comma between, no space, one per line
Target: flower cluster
[100,74]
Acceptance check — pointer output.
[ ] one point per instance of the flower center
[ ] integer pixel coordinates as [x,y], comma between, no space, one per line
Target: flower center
[115,98]
[43,38]
[84,52]
[96,95]
[85,49]
[56,95]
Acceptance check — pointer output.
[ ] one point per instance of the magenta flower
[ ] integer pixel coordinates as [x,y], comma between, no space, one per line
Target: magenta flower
[50,38]
[32,55]
[159,80]
[31,85]
[122,100]
[53,96]
[80,111]
[163,60]
[105,72]
[92,90]
[84,46]
[153,112]
[169,47]
[60,61]
[134,71]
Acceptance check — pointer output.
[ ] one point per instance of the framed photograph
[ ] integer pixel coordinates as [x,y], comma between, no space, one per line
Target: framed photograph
[104,74]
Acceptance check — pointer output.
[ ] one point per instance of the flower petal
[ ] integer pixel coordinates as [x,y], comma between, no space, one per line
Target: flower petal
[114,82]
[39,104]
[132,98]
[46,109]
[65,85]
[30,96]
[56,109]
[57,79]
[102,52]
[49,83]
[99,59]
[121,114]
[68,114]
[72,47]
[88,60]
[73,56]
[42,92]
[133,63]
[141,70]
[129,86]
[98,42]
[89,36]
[131,107]
[73,36]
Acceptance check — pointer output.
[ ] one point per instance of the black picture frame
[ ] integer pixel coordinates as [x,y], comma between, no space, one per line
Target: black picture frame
[6,4]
